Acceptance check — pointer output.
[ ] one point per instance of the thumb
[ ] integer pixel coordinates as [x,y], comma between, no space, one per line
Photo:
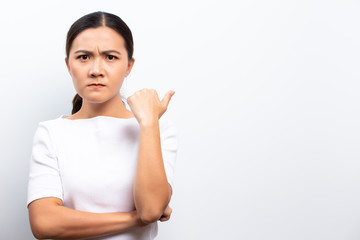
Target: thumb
[165,101]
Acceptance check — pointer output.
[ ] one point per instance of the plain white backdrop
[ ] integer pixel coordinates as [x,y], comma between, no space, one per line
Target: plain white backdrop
[267,107]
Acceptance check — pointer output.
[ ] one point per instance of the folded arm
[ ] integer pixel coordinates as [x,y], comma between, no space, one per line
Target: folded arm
[50,219]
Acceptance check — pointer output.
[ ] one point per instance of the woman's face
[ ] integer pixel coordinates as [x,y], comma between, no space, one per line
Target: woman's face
[98,56]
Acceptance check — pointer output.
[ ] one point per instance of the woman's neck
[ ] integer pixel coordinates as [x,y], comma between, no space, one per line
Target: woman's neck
[113,108]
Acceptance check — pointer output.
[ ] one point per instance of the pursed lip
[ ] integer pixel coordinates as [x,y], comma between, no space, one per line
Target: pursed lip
[96,84]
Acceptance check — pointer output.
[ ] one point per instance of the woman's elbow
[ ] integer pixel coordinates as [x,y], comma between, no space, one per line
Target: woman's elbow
[43,229]
[150,216]
[151,211]
[44,219]
[39,235]
[39,231]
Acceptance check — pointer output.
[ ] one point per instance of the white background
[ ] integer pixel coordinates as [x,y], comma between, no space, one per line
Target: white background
[267,106]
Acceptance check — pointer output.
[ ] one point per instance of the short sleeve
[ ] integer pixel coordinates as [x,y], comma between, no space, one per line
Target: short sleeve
[169,148]
[44,177]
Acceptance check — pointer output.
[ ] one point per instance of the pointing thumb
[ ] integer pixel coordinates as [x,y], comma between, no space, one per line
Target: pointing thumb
[165,101]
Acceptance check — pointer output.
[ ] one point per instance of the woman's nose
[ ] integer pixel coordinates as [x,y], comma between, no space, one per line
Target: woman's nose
[96,69]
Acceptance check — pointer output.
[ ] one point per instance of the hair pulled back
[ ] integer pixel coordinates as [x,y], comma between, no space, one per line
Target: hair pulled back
[95,20]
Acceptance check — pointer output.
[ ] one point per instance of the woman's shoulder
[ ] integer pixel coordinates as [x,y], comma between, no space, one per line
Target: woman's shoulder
[51,123]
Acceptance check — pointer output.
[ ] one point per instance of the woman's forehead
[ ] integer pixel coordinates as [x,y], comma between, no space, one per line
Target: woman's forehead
[103,38]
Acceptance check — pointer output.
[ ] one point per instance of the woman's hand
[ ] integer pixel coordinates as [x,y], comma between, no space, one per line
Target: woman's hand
[146,105]
[166,214]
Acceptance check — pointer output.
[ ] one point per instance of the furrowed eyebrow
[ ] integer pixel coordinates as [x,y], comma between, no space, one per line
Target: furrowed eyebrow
[83,51]
[103,52]
[111,51]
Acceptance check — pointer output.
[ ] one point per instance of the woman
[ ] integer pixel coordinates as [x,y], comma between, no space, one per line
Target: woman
[104,172]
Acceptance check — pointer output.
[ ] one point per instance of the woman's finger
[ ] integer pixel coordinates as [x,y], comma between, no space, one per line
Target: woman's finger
[163,219]
[165,101]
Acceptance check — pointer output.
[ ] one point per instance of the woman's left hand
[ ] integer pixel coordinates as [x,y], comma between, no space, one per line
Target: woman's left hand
[146,105]
[166,214]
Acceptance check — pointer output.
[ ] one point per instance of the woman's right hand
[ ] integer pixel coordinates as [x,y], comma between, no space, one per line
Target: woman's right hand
[166,214]
[146,105]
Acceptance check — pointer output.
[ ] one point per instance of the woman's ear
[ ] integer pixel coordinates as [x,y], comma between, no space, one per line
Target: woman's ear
[67,64]
[129,67]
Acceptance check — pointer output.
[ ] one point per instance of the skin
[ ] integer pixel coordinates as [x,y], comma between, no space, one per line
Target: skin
[98,55]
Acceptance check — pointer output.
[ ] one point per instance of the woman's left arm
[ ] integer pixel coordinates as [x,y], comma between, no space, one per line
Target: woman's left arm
[152,191]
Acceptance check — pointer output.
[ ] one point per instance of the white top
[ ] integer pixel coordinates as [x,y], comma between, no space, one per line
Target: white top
[90,164]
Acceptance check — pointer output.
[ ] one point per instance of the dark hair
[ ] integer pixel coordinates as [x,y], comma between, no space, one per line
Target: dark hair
[95,20]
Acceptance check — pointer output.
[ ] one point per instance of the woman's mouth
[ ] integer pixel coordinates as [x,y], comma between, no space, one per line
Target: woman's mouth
[96,85]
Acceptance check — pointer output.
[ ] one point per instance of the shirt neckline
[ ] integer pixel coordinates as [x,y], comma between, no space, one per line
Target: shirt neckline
[96,117]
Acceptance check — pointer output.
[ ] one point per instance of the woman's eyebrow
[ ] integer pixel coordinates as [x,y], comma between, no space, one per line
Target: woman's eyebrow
[110,51]
[103,52]
[83,51]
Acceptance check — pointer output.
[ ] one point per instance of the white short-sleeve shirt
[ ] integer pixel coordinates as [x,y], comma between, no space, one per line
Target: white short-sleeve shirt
[90,164]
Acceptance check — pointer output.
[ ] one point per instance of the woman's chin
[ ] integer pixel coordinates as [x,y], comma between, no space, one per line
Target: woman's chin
[96,100]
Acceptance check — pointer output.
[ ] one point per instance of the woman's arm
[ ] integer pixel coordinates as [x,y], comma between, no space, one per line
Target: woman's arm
[50,219]
[152,191]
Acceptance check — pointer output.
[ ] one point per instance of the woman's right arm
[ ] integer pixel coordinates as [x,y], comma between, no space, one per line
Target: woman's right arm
[50,219]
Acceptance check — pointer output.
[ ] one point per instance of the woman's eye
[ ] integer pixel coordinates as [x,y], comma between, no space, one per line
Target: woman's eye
[84,57]
[111,57]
